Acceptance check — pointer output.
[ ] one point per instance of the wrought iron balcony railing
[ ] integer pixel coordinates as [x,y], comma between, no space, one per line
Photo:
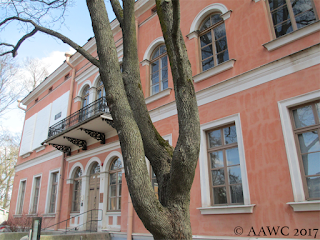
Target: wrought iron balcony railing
[98,106]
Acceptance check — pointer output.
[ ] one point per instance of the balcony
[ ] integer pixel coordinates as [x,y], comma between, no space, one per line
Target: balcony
[82,128]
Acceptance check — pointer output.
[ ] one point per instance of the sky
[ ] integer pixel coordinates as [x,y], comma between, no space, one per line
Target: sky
[77,27]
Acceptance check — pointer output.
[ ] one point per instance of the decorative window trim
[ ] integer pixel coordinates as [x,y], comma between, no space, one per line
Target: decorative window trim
[109,158]
[215,70]
[73,169]
[153,45]
[158,95]
[26,154]
[19,196]
[84,85]
[32,194]
[49,189]
[87,169]
[77,99]
[43,147]
[207,208]
[293,36]
[231,209]
[305,206]
[215,7]
[291,149]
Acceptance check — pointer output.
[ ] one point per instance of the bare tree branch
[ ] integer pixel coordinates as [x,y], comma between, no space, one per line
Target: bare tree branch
[63,38]
[117,9]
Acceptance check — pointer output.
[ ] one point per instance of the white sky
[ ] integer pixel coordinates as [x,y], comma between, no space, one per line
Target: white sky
[77,27]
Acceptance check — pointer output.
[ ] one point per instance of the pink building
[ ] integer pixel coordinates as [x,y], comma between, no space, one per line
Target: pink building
[256,69]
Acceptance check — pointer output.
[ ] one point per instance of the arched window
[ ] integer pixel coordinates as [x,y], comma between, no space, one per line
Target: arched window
[213,42]
[100,90]
[76,190]
[85,96]
[115,182]
[159,70]
[95,168]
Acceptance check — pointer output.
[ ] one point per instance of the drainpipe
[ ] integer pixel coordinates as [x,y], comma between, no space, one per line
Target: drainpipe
[60,190]
[19,106]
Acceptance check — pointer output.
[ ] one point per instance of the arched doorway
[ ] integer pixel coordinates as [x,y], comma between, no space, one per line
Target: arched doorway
[93,201]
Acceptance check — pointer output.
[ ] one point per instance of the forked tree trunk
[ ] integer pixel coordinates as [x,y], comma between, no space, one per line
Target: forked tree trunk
[168,217]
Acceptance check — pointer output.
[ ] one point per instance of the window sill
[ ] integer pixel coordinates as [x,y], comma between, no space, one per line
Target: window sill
[305,206]
[158,95]
[231,209]
[214,71]
[26,155]
[38,149]
[293,36]
[32,215]
[53,215]
[17,215]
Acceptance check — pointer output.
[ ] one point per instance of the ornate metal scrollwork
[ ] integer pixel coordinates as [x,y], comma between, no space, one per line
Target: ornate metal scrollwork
[62,148]
[96,135]
[78,142]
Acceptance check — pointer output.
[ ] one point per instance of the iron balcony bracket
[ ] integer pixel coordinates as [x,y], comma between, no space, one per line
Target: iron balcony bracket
[96,135]
[78,142]
[62,148]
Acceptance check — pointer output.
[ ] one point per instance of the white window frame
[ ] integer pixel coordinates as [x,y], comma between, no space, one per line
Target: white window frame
[207,208]
[19,196]
[300,203]
[32,193]
[51,172]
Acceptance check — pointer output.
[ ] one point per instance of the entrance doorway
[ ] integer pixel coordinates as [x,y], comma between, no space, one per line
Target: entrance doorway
[93,203]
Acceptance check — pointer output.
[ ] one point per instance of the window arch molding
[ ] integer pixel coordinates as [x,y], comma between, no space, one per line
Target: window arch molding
[111,156]
[89,165]
[153,45]
[73,170]
[78,98]
[204,13]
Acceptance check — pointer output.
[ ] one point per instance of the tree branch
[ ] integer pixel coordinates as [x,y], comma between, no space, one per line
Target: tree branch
[63,38]
[118,11]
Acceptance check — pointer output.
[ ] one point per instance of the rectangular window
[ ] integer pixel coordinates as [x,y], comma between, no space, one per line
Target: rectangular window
[306,127]
[53,192]
[35,195]
[21,196]
[291,15]
[224,166]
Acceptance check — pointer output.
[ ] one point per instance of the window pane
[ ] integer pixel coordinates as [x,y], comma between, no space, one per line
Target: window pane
[216,159]
[116,164]
[236,194]
[207,64]
[276,3]
[311,163]
[206,52]
[221,45]
[113,189]
[280,15]
[305,19]
[156,53]
[218,177]
[299,6]
[215,138]
[283,28]
[230,135]
[119,203]
[112,203]
[119,177]
[164,73]
[215,19]
[155,89]
[164,61]
[219,32]
[309,142]
[155,66]
[232,156]
[164,85]
[303,116]
[113,179]
[219,195]
[155,78]
[314,187]
[163,49]
[222,57]
[206,24]
[234,174]
[206,39]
